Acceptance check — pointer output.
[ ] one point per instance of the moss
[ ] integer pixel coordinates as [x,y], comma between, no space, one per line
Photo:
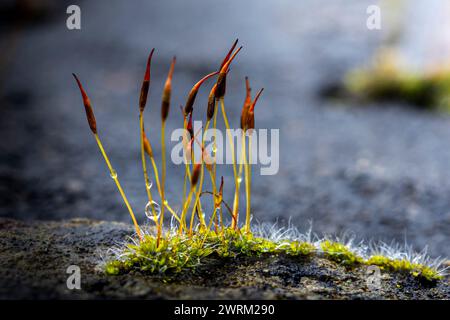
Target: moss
[176,253]
[249,245]
[296,248]
[339,253]
[414,269]
[384,81]
[113,268]
[172,254]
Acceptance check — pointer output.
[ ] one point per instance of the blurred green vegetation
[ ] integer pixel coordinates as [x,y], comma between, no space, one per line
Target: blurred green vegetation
[384,81]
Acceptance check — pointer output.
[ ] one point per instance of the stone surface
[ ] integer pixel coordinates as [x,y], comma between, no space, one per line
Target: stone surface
[35,257]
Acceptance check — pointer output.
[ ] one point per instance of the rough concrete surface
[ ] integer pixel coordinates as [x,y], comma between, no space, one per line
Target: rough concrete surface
[36,255]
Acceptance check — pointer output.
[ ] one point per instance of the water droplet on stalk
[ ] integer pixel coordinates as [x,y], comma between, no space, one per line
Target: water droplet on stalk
[149,185]
[113,174]
[149,211]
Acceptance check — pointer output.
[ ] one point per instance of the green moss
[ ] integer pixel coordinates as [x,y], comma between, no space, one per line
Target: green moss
[414,269]
[249,245]
[295,248]
[172,254]
[384,81]
[339,253]
[113,268]
[176,253]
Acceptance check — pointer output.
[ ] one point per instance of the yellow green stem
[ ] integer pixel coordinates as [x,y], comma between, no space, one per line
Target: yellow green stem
[234,222]
[213,183]
[209,226]
[163,177]
[144,168]
[185,207]
[214,175]
[187,173]
[113,174]
[215,142]
[155,170]
[197,201]
[166,204]
[247,181]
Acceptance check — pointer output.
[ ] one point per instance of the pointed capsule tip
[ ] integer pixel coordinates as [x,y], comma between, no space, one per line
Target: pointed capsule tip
[227,57]
[225,67]
[165,104]
[77,80]
[149,62]
[221,185]
[172,66]
[256,99]
[247,87]
[87,106]
[80,86]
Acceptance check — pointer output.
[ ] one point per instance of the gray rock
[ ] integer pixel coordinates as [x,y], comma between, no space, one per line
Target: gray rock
[35,257]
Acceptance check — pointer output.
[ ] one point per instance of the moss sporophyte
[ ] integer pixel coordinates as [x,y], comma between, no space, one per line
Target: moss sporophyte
[191,237]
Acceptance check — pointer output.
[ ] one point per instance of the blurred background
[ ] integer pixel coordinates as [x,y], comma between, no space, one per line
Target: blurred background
[375,168]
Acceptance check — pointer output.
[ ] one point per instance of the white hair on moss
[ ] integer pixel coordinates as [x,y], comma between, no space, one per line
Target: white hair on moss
[406,252]
[279,234]
[393,250]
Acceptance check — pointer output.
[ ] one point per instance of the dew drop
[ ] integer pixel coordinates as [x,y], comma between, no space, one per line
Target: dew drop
[113,174]
[149,185]
[239,179]
[149,211]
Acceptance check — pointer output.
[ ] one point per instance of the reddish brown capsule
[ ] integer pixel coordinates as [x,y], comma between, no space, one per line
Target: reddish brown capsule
[221,186]
[87,106]
[147,145]
[246,106]
[195,174]
[227,57]
[211,103]
[145,84]
[190,127]
[221,85]
[252,108]
[251,113]
[222,79]
[193,93]
[165,104]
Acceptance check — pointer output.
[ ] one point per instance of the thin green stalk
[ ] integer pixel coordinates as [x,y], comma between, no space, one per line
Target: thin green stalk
[185,207]
[113,174]
[247,182]
[144,168]
[163,177]
[234,223]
